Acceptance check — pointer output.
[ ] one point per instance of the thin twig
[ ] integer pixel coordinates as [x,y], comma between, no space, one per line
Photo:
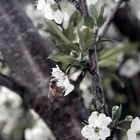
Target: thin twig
[99,100]
[109,19]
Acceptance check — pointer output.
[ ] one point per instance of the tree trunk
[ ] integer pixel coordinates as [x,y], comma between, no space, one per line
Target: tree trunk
[25,55]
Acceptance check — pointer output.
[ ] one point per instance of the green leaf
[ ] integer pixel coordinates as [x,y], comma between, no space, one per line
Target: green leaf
[107,62]
[59,34]
[70,32]
[67,47]
[94,13]
[63,58]
[100,21]
[101,18]
[86,37]
[89,22]
[75,18]
[102,9]
[109,53]
[116,78]
[117,115]
[55,29]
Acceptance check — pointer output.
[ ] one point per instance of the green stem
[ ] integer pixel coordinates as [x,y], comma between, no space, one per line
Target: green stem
[121,129]
[123,121]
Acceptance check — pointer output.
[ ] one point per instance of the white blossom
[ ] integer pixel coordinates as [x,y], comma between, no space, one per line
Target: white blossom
[94,1]
[97,128]
[62,80]
[91,2]
[39,130]
[10,110]
[41,4]
[50,10]
[134,132]
[130,68]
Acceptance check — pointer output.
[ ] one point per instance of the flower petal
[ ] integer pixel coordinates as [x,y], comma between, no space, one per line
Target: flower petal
[68,88]
[58,16]
[103,121]
[135,125]
[104,133]
[93,117]
[62,80]
[88,133]
[48,12]
[57,73]
[131,134]
[41,4]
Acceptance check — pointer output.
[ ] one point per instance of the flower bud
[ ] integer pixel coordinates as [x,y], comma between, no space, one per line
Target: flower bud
[128,118]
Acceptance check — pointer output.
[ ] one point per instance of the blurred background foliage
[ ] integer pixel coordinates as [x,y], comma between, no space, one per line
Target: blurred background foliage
[118,58]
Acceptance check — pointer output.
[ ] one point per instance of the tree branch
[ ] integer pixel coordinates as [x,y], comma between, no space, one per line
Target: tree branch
[109,19]
[97,88]
[25,55]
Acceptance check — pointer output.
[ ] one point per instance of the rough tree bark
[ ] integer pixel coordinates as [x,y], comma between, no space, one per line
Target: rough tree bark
[25,55]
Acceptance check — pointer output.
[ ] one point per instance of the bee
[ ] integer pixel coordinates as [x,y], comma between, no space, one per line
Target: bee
[54,90]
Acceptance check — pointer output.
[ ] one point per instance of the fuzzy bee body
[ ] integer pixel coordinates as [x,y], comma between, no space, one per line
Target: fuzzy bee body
[54,90]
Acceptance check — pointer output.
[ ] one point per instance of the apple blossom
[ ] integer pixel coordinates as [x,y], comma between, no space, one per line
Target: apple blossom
[91,2]
[97,128]
[50,10]
[134,132]
[62,80]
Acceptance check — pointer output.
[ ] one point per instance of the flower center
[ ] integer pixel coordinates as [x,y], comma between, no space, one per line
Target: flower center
[96,130]
[138,134]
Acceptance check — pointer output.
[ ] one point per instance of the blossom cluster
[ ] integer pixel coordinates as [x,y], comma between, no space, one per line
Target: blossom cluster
[10,111]
[97,129]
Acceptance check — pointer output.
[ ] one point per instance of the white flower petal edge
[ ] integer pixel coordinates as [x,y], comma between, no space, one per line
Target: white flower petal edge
[134,132]
[46,8]
[94,1]
[68,87]
[62,80]
[97,128]
[57,72]
[58,16]
[94,116]
[103,120]
[48,12]
[41,4]
[91,2]
[87,131]
[104,133]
